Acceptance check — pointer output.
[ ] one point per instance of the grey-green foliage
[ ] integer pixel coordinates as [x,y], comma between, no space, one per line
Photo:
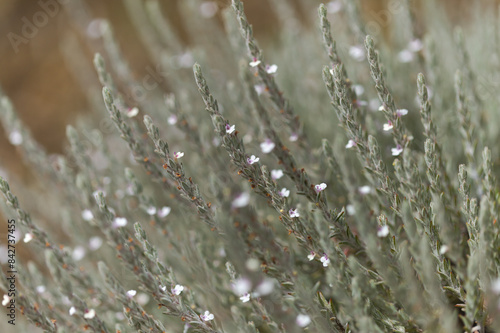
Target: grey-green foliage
[203,234]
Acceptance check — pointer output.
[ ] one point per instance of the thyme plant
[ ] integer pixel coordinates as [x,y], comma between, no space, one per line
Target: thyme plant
[335,181]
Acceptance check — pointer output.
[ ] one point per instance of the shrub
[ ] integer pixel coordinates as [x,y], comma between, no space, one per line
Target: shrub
[368,206]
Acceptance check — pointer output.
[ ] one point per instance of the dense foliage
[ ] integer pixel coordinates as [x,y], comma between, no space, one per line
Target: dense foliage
[350,187]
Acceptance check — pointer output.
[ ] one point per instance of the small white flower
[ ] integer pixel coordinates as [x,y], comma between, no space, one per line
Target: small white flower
[388,126]
[142,298]
[415,45]
[185,60]
[361,103]
[325,260]
[276,174]
[252,159]
[396,151]
[207,316]
[151,210]
[132,112]
[89,314]
[357,52]
[476,329]
[267,146]
[365,189]
[96,28]
[271,69]
[164,288]
[293,213]
[72,311]
[208,9]
[241,200]
[6,300]
[241,286]
[95,243]
[164,211]
[15,138]
[78,253]
[17,236]
[131,293]
[252,264]
[303,320]
[260,88]
[443,249]
[405,56]
[178,154]
[374,104]
[381,108]
[401,112]
[247,138]
[334,6]
[255,62]
[265,287]
[28,237]
[311,256]
[294,137]
[320,187]
[284,192]
[230,129]
[40,289]
[172,119]
[383,231]
[177,290]
[358,89]
[495,287]
[245,298]
[350,210]
[350,144]
[119,222]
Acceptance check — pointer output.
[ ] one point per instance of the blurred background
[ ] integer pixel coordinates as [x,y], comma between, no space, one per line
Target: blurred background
[34,72]
[38,45]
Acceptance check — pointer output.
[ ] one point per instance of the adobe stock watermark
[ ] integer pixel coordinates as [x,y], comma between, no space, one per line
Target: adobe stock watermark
[31,26]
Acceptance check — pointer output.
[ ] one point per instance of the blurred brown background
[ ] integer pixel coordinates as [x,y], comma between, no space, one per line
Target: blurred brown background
[46,94]
[42,87]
